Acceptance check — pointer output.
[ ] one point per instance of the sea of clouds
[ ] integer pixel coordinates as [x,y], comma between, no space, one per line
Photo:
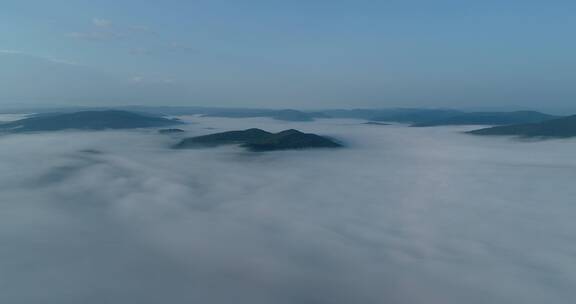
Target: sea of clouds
[401,216]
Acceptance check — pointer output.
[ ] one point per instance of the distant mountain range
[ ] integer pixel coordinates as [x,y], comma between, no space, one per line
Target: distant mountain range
[292,115]
[416,116]
[488,118]
[556,128]
[519,123]
[285,115]
[375,123]
[413,115]
[259,140]
[87,120]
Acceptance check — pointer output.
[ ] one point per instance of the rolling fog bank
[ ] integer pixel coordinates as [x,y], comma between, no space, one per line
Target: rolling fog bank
[401,216]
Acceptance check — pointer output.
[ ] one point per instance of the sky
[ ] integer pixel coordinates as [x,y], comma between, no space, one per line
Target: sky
[289,54]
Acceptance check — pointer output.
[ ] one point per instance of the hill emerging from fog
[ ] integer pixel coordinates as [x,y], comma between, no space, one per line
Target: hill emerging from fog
[284,115]
[292,115]
[557,128]
[171,131]
[87,120]
[259,140]
[489,118]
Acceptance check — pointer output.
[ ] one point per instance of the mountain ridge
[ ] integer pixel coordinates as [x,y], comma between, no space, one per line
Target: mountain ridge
[258,140]
[564,127]
[87,120]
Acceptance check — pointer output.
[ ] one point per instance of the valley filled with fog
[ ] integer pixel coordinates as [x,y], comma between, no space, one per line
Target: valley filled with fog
[401,215]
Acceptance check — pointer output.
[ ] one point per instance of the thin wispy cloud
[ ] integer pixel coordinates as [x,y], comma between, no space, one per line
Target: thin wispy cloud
[137,79]
[140,79]
[11,52]
[98,22]
[141,29]
[139,52]
[104,30]
[46,58]
[97,35]
[62,61]
[177,46]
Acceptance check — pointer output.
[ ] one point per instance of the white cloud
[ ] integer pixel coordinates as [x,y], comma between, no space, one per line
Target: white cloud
[141,29]
[46,58]
[62,61]
[181,47]
[102,30]
[97,35]
[139,51]
[151,80]
[403,216]
[101,22]
[11,52]
[137,79]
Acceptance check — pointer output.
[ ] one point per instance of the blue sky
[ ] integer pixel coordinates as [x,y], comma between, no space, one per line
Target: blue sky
[301,54]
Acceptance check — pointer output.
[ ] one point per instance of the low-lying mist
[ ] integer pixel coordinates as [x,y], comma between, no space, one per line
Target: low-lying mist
[401,216]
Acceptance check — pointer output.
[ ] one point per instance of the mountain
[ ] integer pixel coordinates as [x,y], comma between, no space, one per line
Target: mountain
[87,120]
[375,123]
[414,115]
[291,140]
[239,113]
[171,131]
[292,115]
[318,114]
[402,115]
[224,138]
[489,118]
[285,115]
[259,140]
[557,128]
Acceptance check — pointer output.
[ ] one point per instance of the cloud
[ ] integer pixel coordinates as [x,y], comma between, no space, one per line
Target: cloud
[11,52]
[150,80]
[141,29]
[403,216]
[137,79]
[103,30]
[46,58]
[97,35]
[176,46]
[62,61]
[101,22]
[139,51]
[106,30]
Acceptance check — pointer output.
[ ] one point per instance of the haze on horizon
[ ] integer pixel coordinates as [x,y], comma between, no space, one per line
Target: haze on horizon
[300,54]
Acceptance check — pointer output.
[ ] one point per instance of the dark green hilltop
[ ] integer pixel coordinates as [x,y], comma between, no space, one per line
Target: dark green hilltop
[375,123]
[488,118]
[171,131]
[258,140]
[556,128]
[87,120]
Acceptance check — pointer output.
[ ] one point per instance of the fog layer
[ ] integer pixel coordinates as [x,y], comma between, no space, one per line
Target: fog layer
[402,216]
